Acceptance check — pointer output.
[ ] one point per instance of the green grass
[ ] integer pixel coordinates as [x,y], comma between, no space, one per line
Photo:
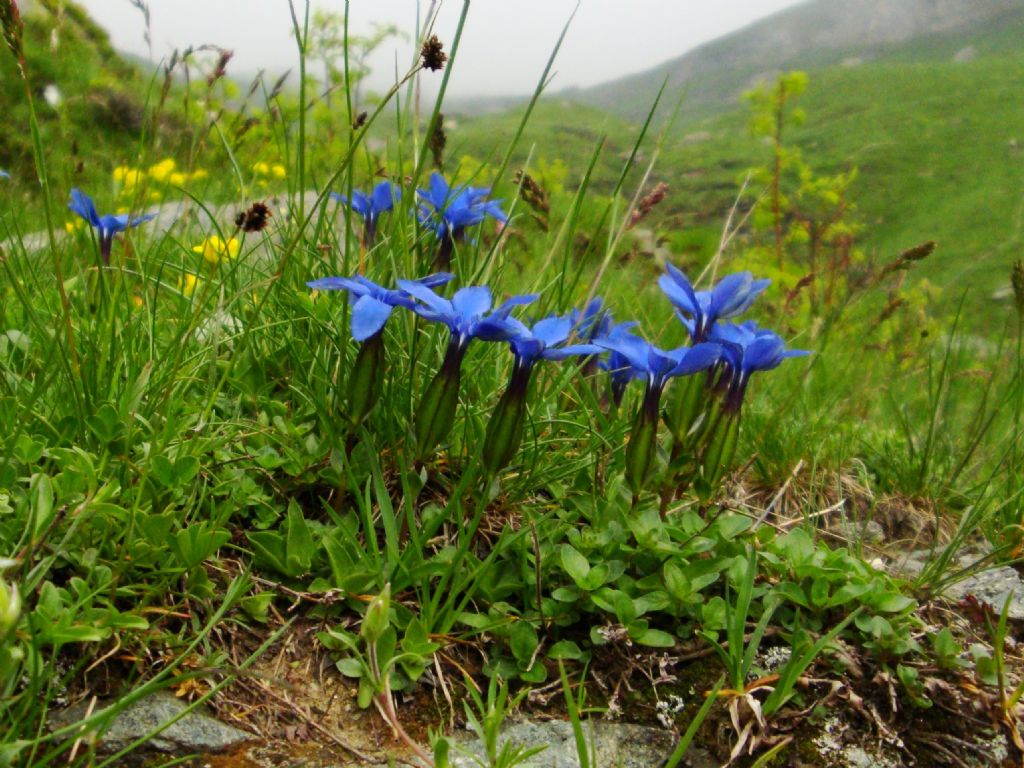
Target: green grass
[169,438]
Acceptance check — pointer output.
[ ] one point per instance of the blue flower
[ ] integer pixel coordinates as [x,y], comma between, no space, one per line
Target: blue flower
[745,350]
[468,314]
[374,302]
[594,321]
[699,310]
[656,366]
[617,365]
[448,211]
[106,226]
[4,174]
[546,341]
[370,207]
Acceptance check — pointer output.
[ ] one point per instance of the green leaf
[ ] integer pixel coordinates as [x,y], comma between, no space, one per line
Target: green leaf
[299,549]
[41,494]
[350,667]
[656,638]
[891,602]
[568,650]
[575,565]
[523,641]
[105,423]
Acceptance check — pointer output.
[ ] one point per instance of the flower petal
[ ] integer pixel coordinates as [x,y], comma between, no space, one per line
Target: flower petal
[420,291]
[82,204]
[472,301]
[339,284]
[553,330]
[383,197]
[368,317]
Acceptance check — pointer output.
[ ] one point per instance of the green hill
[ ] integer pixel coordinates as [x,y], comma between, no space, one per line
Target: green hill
[935,124]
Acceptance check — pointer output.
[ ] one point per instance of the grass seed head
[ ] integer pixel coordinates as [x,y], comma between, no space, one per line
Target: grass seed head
[432,54]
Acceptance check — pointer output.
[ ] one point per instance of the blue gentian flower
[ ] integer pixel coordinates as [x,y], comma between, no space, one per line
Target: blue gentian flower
[106,226]
[745,350]
[370,312]
[699,310]
[593,321]
[468,316]
[546,340]
[616,364]
[656,367]
[448,211]
[468,313]
[381,200]
[374,302]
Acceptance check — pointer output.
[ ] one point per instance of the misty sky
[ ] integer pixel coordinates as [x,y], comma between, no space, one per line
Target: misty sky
[505,44]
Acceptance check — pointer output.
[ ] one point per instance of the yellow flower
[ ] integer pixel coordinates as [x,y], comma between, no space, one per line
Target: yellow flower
[127,176]
[199,174]
[155,196]
[188,283]
[261,168]
[214,250]
[137,301]
[74,226]
[163,169]
[278,170]
[178,179]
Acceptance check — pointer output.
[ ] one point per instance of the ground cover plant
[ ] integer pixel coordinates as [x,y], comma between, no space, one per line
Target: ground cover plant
[280,409]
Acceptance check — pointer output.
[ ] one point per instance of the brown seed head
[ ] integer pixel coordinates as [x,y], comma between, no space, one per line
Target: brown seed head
[254,219]
[438,141]
[532,193]
[642,210]
[221,68]
[359,122]
[432,54]
[1017,280]
[11,27]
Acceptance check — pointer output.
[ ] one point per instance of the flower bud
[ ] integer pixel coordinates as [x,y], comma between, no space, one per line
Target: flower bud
[505,429]
[687,403]
[10,608]
[643,441]
[720,447]
[376,620]
[437,406]
[367,378]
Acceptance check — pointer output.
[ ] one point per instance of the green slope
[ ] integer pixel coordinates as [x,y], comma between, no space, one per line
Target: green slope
[939,144]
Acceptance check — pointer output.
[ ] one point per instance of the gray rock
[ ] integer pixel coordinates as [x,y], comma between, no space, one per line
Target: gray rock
[992,586]
[195,732]
[865,532]
[612,745]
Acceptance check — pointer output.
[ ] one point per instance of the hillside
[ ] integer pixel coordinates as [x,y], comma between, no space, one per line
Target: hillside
[809,36]
[935,125]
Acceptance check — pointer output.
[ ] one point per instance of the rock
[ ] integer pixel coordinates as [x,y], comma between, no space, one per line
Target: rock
[992,586]
[195,732]
[867,532]
[613,744]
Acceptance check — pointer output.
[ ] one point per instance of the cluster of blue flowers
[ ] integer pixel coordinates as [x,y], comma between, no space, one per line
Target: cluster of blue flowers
[704,419]
[448,211]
